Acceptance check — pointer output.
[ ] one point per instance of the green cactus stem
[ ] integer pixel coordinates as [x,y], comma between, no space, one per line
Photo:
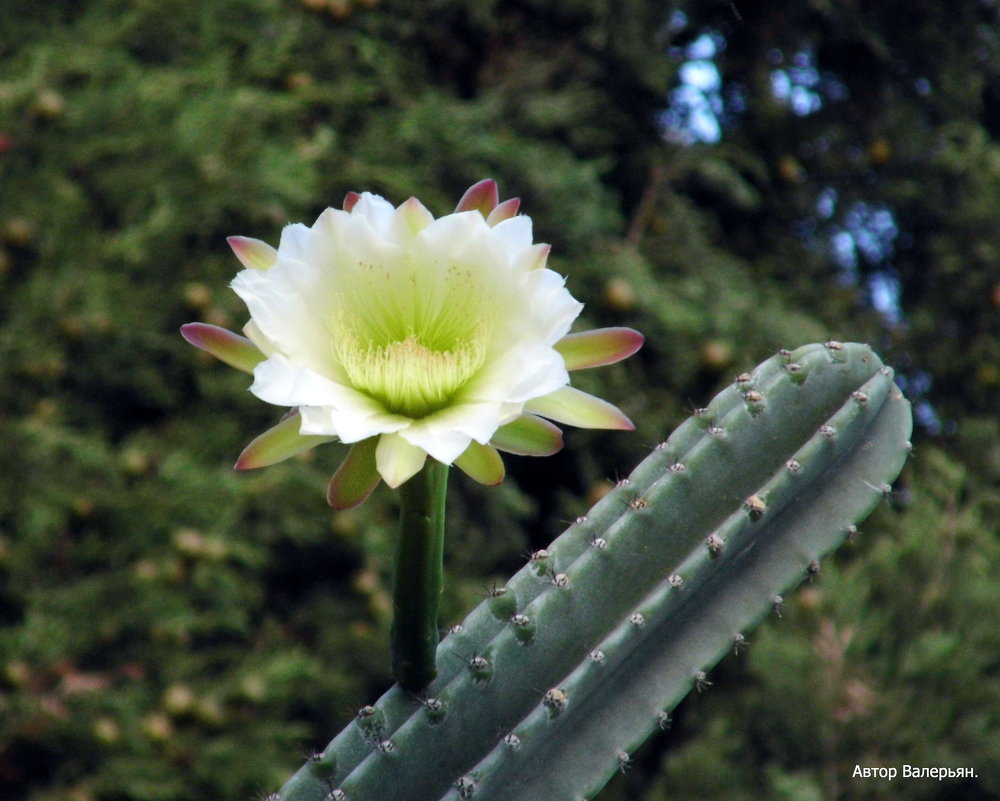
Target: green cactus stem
[547,686]
[611,702]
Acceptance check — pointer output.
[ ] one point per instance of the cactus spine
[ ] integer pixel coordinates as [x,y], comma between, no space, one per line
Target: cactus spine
[547,685]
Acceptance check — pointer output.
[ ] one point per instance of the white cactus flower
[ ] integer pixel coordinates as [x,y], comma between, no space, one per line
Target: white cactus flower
[408,336]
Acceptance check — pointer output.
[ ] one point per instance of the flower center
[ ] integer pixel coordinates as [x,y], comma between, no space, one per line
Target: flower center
[407,376]
[412,329]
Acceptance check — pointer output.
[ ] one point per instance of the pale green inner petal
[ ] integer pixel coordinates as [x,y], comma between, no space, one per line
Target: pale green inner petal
[413,333]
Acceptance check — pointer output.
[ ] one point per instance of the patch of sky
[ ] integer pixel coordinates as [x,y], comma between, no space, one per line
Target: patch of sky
[801,86]
[915,386]
[696,106]
[826,203]
[928,418]
[796,85]
[884,293]
[869,232]
[677,22]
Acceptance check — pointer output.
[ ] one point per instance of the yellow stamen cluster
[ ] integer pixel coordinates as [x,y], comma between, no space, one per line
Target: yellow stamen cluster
[411,332]
[408,377]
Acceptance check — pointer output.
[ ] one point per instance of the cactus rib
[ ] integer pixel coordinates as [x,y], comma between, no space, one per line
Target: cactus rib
[717,512]
[613,704]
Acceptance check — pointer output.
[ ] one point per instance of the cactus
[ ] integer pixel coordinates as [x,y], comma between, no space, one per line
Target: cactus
[545,688]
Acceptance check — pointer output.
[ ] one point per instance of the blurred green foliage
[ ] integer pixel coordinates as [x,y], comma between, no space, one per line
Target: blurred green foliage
[171,630]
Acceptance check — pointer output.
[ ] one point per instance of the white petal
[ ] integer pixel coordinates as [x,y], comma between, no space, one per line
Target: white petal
[329,227]
[532,258]
[289,304]
[542,371]
[397,460]
[410,218]
[377,212]
[446,434]
[462,238]
[445,446]
[515,234]
[518,375]
[279,381]
[296,242]
[549,296]
[349,424]
[255,335]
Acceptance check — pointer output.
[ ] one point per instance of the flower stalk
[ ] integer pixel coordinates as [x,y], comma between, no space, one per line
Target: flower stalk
[418,576]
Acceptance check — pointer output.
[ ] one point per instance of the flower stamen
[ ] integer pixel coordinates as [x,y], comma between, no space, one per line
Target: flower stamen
[407,376]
